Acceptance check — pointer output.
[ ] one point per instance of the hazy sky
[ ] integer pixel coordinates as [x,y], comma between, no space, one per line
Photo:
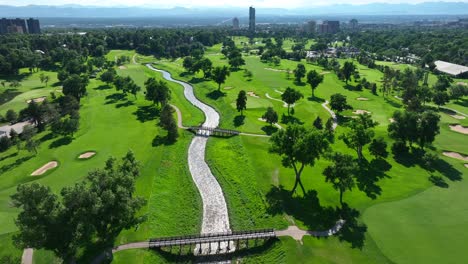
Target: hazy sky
[216,3]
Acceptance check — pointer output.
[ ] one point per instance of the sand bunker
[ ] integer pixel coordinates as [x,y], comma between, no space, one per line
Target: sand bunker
[459,129]
[459,117]
[361,112]
[87,155]
[325,72]
[46,167]
[122,67]
[462,83]
[362,99]
[391,120]
[37,100]
[466,165]
[456,156]
[250,93]
[277,70]
[228,88]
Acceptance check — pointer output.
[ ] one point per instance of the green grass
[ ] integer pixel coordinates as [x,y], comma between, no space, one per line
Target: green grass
[112,128]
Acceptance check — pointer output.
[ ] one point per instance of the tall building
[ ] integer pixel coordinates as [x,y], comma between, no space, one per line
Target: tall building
[235,23]
[252,19]
[311,27]
[33,26]
[18,25]
[353,24]
[329,27]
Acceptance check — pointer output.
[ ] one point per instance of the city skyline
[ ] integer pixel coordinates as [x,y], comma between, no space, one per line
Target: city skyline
[213,3]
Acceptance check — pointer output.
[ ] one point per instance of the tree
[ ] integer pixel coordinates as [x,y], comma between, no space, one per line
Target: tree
[157,91]
[206,66]
[341,173]
[235,59]
[220,74]
[134,89]
[314,79]
[318,123]
[68,105]
[428,127]
[378,148]
[299,73]
[108,76]
[28,132]
[31,145]
[98,208]
[15,84]
[66,126]
[361,134]
[270,116]
[411,93]
[46,80]
[440,98]
[404,127]
[168,122]
[5,143]
[291,96]
[298,147]
[188,64]
[348,70]
[11,116]
[75,85]
[457,91]
[241,102]
[338,102]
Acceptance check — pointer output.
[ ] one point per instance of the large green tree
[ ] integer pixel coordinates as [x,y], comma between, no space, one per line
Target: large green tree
[299,73]
[241,101]
[220,74]
[298,147]
[157,91]
[360,134]
[270,116]
[341,173]
[348,70]
[75,85]
[291,96]
[314,79]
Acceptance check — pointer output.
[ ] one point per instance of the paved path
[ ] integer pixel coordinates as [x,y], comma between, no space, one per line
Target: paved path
[215,213]
[27,257]
[179,117]
[18,127]
[297,234]
[284,103]
[333,115]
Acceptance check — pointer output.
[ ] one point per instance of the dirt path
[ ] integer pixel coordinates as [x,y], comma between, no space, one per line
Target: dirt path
[333,115]
[215,213]
[27,257]
[134,59]
[179,117]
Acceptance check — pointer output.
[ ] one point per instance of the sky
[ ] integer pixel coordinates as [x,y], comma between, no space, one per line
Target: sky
[208,3]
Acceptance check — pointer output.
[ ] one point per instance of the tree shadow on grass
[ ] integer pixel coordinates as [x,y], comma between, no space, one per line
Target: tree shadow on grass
[162,141]
[269,130]
[415,158]
[393,103]
[350,87]
[103,87]
[147,113]
[63,141]
[124,104]
[438,181]
[15,164]
[9,156]
[369,174]
[462,102]
[316,217]
[316,99]
[47,137]
[289,119]
[215,94]
[115,97]
[196,80]
[239,120]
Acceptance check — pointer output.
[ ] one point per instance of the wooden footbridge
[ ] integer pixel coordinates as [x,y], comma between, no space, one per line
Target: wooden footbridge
[207,131]
[233,237]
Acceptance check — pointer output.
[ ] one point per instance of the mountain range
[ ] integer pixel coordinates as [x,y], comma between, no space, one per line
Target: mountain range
[427,8]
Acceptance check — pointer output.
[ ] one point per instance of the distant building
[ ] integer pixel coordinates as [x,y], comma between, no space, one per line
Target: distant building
[235,23]
[329,27]
[33,26]
[18,26]
[252,19]
[451,68]
[353,24]
[311,27]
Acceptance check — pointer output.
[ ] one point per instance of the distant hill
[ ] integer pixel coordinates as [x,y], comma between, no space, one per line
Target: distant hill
[429,8]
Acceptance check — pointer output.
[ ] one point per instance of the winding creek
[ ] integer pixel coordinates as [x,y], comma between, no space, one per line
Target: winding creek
[215,213]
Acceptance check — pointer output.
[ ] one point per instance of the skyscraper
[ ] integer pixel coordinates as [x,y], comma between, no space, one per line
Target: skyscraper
[252,19]
[235,23]
[33,26]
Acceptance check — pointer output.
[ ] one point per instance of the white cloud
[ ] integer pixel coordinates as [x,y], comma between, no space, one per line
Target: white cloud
[210,3]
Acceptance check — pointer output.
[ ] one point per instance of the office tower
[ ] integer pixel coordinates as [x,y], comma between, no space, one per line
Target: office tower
[33,26]
[252,19]
[235,23]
